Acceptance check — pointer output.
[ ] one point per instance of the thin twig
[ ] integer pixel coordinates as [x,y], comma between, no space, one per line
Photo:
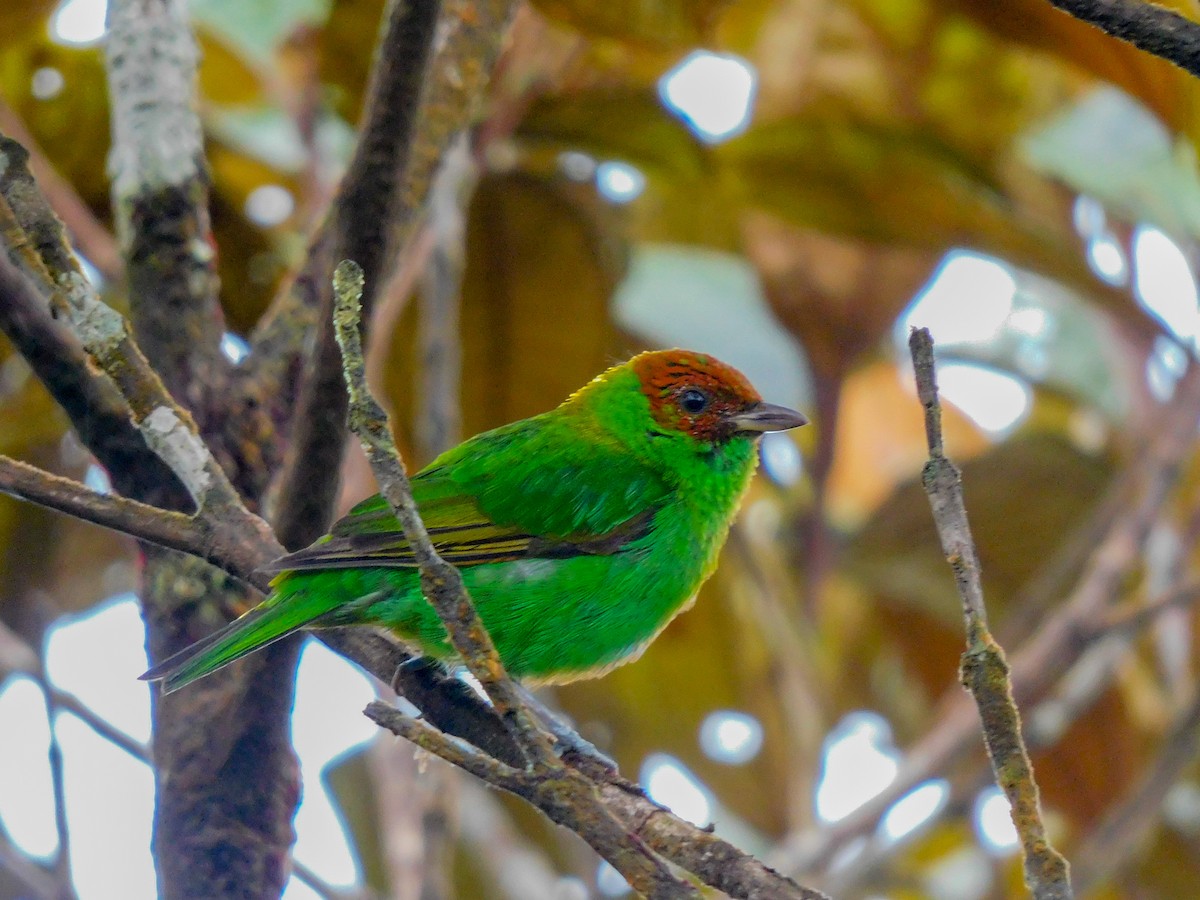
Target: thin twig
[62,855]
[1146,25]
[985,671]
[1050,650]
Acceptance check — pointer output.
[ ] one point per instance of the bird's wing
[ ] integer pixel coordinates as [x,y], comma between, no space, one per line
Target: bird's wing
[509,494]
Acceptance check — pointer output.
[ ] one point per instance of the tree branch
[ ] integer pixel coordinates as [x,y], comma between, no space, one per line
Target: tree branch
[160,195]
[1148,26]
[985,671]
[1052,648]
[564,794]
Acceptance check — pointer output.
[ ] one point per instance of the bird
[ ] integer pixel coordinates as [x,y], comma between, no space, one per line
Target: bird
[580,533]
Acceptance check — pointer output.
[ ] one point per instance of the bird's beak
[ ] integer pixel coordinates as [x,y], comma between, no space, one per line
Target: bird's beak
[767,417]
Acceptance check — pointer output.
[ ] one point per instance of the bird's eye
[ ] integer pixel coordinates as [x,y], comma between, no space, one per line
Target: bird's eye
[693,401]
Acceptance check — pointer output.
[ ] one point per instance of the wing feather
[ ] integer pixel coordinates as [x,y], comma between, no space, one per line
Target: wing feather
[481,508]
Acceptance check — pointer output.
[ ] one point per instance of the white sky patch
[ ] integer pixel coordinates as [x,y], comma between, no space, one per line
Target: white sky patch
[731,737]
[619,182]
[610,882]
[993,822]
[269,204]
[79,22]
[1165,365]
[1164,283]
[98,656]
[327,722]
[234,347]
[110,794]
[915,808]
[110,809]
[47,83]
[859,762]
[996,401]
[26,789]
[967,300]
[1107,259]
[712,92]
[781,458]
[298,890]
[668,782]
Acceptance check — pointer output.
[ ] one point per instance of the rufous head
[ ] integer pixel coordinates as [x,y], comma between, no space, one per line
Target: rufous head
[701,396]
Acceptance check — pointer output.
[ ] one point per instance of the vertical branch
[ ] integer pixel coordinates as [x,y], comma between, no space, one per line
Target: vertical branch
[365,214]
[985,671]
[160,194]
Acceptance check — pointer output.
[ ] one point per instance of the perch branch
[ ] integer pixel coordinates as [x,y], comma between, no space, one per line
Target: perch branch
[564,794]
[985,671]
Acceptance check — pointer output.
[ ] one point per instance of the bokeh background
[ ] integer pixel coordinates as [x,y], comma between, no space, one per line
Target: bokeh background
[790,185]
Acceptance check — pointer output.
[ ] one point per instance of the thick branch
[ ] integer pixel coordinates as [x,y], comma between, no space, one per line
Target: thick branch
[470,34]
[360,227]
[985,671]
[160,195]
[166,528]
[1147,26]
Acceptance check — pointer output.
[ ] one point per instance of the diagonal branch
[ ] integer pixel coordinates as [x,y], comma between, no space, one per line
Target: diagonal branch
[985,671]
[1147,26]
[166,528]
[563,793]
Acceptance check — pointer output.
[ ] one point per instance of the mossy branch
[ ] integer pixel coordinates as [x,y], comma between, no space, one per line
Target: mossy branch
[985,671]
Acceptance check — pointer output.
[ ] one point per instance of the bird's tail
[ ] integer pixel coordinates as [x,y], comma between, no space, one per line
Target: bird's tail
[289,608]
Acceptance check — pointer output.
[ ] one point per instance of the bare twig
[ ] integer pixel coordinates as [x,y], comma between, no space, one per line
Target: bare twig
[1051,650]
[1146,25]
[440,582]
[985,671]
[62,855]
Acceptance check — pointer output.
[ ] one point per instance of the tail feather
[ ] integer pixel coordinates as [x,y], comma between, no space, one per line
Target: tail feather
[289,609]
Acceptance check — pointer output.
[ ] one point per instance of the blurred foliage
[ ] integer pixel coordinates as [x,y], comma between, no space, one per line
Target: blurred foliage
[884,135]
